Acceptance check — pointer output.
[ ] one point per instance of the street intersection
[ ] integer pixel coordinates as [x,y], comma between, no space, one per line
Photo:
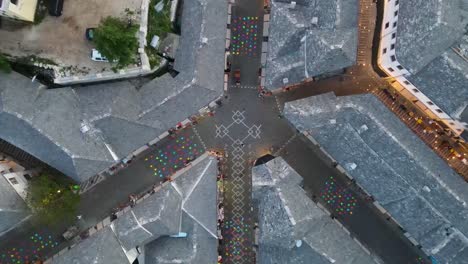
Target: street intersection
[244,127]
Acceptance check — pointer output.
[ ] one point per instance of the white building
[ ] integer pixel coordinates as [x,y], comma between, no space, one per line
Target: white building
[18,9]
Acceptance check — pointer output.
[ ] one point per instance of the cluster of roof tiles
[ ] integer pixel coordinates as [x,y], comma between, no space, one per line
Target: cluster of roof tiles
[12,207]
[313,38]
[187,204]
[82,130]
[427,32]
[405,176]
[287,214]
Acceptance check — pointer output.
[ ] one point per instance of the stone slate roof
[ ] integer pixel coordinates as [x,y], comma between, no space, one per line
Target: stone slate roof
[418,188]
[449,89]
[199,247]
[297,49]
[427,28]
[188,204]
[120,118]
[103,248]
[157,216]
[286,214]
[12,208]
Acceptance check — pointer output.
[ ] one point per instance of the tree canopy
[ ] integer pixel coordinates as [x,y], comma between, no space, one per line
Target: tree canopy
[52,200]
[116,40]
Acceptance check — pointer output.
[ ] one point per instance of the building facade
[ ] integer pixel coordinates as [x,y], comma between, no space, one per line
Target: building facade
[18,9]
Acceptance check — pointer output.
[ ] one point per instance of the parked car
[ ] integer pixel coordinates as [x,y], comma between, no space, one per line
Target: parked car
[89,34]
[237,75]
[70,233]
[55,7]
[97,56]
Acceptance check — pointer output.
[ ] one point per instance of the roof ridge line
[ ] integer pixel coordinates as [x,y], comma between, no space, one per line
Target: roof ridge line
[202,225]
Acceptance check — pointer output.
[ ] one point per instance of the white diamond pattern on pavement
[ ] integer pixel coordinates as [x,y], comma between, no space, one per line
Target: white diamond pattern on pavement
[238,188]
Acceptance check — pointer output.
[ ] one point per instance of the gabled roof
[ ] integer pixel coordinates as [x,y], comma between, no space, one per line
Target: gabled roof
[405,176]
[427,28]
[12,208]
[287,214]
[445,80]
[157,216]
[199,246]
[298,49]
[188,204]
[103,248]
[80,130]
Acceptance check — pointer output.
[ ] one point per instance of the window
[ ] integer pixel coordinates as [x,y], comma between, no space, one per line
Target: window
[393,35]
[396,13]
[384,51]
[15,2]
[13,180]
[399,67]
[387,25]
[397,2]
[394,24]
[393,58]
[439,111]
[391,69]
[406,82]
[430,103]
[416,90]
[392,47]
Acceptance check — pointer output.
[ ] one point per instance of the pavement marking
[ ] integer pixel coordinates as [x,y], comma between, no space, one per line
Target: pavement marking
[253,87]
[199,137]
[278,104]
[285,144]
[239,244]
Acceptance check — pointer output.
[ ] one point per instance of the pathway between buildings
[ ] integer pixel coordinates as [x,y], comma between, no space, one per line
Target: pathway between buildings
[245,127]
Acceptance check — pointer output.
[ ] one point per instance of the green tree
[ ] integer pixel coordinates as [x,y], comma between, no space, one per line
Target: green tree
[4,64]
[117,41]
[52,200]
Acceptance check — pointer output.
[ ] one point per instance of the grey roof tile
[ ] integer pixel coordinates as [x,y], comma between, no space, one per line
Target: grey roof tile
[150,222]
[445,80]
[390,162]
[426,28]
[12,208]
[270,254]
[103,248]
[298,49]
[130,134]
[150,219]
[198,247]
[204,213]
[111,112]
[21,134]
[287,214]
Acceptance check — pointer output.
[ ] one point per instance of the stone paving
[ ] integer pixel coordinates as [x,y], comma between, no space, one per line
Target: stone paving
[237,203]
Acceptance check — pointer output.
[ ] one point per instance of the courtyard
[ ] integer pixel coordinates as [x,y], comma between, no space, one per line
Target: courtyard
[61,41]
